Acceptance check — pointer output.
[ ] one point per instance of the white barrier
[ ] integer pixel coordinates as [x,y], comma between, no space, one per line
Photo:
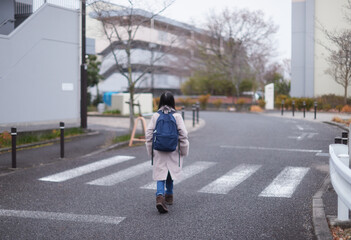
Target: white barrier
[340,174]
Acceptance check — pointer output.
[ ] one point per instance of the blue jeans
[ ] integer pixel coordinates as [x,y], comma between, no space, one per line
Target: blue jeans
[161,186]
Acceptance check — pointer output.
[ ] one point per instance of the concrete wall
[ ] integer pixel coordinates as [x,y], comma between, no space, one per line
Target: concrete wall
[7,11]
[330,15]
[39,69]
[118,101]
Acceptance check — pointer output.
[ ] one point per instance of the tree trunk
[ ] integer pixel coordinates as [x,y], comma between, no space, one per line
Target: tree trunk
[345,94]
[131,110]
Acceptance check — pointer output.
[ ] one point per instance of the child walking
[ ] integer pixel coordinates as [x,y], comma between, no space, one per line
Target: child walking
[167,166]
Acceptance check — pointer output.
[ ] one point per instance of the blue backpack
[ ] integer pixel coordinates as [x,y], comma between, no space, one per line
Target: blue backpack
[165,136]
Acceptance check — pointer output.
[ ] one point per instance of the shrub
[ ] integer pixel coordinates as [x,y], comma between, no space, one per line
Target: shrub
[255,108]
[262,103]
[155,103]
[203,99]
[5,139]
[339,107]
[331,99]
[346,109]
[217,103]
[326,107]
[187,102]
[278,100]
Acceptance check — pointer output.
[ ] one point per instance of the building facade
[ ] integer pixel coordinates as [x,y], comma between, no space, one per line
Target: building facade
[39,64]
[308,58]
[159,53]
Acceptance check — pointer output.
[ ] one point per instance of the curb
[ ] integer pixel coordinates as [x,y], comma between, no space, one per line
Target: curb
[342,126]
[202,123]
[320,224]
[48,141]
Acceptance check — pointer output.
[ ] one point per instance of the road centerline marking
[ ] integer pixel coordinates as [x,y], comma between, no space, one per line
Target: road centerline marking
[61,216]
[85,169]
[272,149]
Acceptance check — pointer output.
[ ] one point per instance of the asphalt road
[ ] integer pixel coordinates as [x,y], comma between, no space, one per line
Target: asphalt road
[248,176]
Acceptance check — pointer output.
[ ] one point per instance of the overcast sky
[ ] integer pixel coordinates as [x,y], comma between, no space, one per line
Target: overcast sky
[195,12]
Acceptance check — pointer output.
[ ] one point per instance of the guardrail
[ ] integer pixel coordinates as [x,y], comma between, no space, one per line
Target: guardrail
[340,174]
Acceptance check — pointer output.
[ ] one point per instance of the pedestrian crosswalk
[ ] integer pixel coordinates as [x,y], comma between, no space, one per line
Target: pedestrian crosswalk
[230,180]
[283,185]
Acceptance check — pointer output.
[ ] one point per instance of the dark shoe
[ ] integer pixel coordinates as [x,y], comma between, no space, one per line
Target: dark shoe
[169,199]
[160,204]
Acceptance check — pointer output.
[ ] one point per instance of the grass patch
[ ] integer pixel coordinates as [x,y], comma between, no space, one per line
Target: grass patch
[125,138]
[34,137]
[112,112]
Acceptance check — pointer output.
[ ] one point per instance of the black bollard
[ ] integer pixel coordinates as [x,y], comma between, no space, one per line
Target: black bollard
[304,109]
[62,139]
[194,109]
[183,112]
[282,107]
[315,110]
[344,134]
[13,138]
[197,112]
[293,108]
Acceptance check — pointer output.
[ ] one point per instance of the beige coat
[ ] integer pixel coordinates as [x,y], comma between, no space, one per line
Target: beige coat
[167,161]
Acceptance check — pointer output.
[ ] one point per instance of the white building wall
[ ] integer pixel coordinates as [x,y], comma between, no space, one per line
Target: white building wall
[329,14]
[302,79]
[37,59]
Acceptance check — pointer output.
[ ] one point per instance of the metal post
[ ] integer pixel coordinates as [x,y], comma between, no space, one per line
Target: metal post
[83,74]
[13,136]
[62,139]
[282,107]
[193,108]
[183,112]
[345,137]
[197,112]
[293,108]
[315,110]
[304,109]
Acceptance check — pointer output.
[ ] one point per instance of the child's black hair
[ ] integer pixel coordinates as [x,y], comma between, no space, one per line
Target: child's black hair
[167,99]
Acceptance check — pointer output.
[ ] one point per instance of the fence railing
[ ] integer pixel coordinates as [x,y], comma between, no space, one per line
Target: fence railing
[25,7]
[340,174]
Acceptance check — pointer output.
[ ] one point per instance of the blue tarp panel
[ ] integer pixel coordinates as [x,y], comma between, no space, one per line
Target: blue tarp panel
[107,97]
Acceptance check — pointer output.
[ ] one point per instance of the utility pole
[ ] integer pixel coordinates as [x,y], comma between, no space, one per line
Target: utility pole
[83,74]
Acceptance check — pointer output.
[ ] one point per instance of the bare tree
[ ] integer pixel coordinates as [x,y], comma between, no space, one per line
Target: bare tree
[121,25]
[340,58]
[237,40]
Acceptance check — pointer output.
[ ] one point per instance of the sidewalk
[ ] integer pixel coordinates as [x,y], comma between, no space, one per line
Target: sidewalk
[102,130]
[324,202]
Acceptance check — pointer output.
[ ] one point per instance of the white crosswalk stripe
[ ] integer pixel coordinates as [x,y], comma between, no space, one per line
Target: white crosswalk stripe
[230,180]
[285,184]
[122,175]
[79,171]
[188,172]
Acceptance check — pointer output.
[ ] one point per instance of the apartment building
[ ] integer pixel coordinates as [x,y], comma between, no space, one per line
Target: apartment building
[308,58]
[159,51]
